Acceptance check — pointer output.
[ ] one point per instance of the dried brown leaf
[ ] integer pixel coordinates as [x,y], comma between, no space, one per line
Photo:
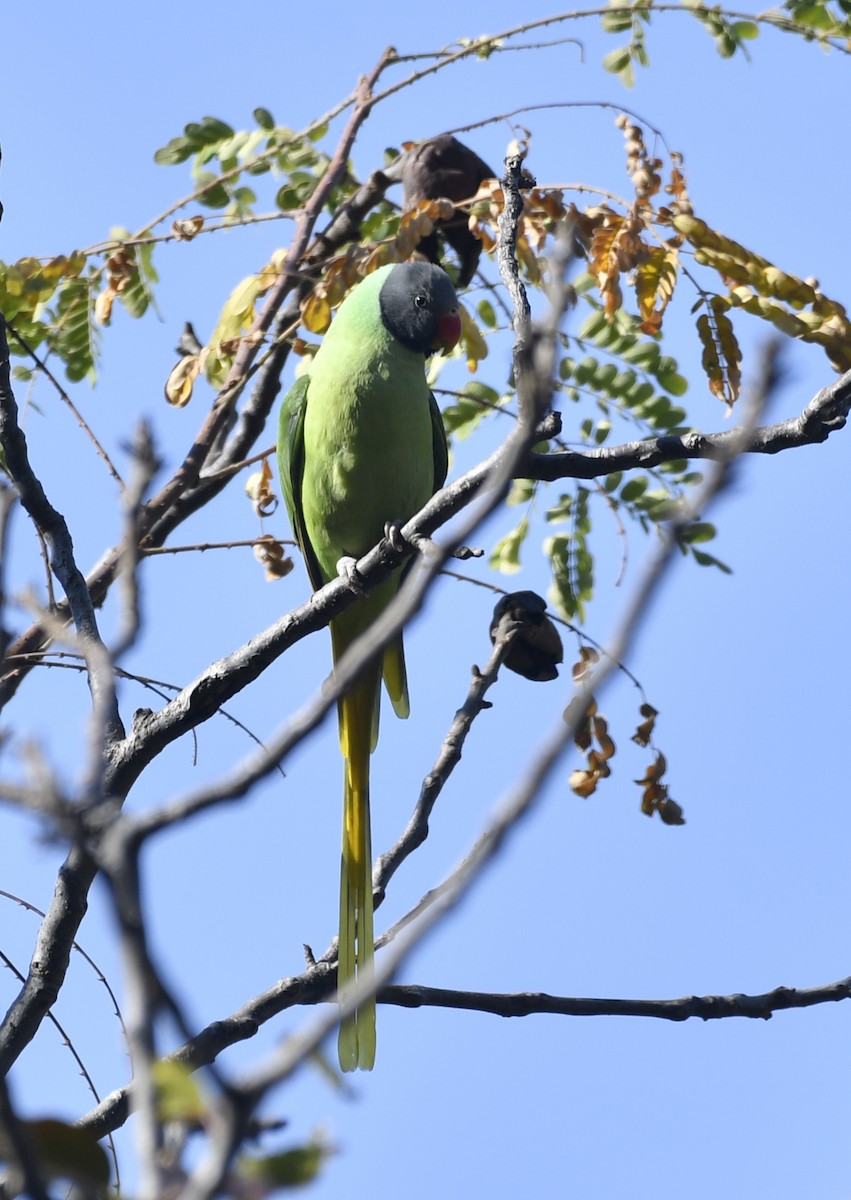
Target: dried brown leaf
[181,380]
[272,556]
[187,229]
[258,488]
[583,783]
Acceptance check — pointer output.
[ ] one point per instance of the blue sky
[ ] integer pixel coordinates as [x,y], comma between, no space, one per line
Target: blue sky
[590,898]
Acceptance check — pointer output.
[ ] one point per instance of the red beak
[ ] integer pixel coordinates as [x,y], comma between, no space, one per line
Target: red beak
[448,331]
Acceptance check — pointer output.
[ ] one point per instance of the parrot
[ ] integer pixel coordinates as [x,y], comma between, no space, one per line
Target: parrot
[361,449]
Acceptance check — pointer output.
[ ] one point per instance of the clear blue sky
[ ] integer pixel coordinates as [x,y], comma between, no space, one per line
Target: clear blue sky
[590,898]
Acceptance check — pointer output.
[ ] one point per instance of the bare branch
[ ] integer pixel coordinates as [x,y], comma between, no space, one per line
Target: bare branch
[50,957]
[145,466]
[707,1008]
[416,831]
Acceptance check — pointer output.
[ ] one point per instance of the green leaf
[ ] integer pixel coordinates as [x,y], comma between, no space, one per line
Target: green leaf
[289,1169]
[178,1095]
[487,314]
[215,195]
[699,531]
[61,1151]
[593,325]
[617,20]
[521,492]
[215,130]
[585,370]
[639,395]
[709,560]
[633,488]
[672,382]
[814,16]
[582,518]
[145,257]
[744,31]
[264,118]
[572,570]
[474,402]
[74,337]
[505,555]
[617,61]
[604,377]
[288,198]
[644,354]
[317,134]
[561,510]
[176,151]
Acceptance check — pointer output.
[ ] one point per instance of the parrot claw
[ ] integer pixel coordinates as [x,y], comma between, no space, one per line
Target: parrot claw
[347,568]
[393,534]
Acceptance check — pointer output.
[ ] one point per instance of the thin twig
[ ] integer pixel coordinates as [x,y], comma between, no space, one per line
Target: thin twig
[416,831]
[66,1039]
[68,402]
[52,525]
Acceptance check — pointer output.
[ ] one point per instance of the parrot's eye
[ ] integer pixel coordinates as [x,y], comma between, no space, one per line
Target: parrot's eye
[420,300]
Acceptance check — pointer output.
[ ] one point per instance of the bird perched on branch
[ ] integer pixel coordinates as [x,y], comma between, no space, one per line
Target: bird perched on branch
[362,448]
[443,166]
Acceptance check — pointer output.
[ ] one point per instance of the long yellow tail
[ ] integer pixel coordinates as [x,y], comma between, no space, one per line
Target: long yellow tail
[358,724]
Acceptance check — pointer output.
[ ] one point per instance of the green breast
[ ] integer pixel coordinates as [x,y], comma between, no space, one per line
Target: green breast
[368,454]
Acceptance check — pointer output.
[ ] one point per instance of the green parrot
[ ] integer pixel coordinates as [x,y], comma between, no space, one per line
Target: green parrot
[361,446]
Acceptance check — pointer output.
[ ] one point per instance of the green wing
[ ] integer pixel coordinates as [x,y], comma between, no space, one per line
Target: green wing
[439,448]
[291,469]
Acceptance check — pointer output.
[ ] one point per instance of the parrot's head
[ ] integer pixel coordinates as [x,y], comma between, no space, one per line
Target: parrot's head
[419,307]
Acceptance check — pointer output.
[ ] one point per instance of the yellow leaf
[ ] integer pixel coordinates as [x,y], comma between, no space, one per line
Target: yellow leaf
[380,256]
[472,340]
[721,354]
[316,312]
[440,209]
[655,279]
[178,1095]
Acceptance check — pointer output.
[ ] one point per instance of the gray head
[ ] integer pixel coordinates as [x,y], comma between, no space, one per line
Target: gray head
[419,307]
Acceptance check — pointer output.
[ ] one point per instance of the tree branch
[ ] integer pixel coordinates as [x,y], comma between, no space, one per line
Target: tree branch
[707,1008]
[826,413]
[53,528]
[416,831]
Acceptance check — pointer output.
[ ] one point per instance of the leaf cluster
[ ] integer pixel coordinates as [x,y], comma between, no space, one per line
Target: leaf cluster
[593,739]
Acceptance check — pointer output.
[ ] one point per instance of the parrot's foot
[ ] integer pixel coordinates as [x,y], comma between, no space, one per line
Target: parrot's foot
[393,534]
[347,568]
